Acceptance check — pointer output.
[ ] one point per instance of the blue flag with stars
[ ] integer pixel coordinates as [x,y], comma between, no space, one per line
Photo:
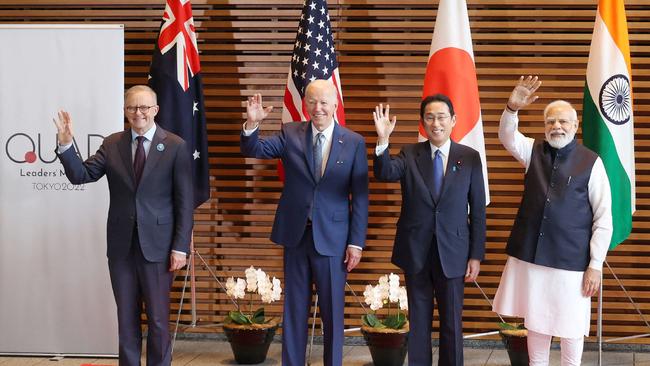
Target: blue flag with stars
[314,57]
[175,77]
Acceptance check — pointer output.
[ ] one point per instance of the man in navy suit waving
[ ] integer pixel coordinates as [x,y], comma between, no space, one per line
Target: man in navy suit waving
[440,234]
[322,216]
[149,219]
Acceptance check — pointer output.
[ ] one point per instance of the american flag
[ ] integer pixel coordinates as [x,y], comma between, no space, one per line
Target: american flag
[175,76]
[314,57]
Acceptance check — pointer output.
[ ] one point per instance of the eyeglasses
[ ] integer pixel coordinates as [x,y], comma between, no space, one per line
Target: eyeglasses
[436,117]
[142,108]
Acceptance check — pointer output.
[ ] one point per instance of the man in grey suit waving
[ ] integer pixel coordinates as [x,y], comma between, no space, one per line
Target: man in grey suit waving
[440,234]
[149,219]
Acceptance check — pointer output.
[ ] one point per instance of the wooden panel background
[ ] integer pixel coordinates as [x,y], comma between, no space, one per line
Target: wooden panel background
[382,48]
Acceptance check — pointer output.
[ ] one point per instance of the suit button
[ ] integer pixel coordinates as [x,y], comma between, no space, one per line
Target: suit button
[541,234]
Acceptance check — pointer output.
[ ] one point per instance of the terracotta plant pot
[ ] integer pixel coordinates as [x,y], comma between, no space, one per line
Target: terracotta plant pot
[387,346]
[516,345]
[250,343]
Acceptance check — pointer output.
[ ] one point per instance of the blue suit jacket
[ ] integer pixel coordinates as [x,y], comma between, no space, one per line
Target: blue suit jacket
[161,205]
[339,200]
[459,235]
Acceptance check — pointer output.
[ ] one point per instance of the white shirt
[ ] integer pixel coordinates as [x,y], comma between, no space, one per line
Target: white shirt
[600,195]
[444,152]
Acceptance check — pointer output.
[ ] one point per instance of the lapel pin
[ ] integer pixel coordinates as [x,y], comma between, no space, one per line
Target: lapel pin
[160,147]
[457,166]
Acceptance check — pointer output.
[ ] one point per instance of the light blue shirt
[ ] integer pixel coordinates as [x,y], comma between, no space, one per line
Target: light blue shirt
[146,144]
[327,146]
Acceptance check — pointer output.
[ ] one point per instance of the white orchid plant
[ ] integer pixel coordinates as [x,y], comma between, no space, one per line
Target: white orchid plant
[256,282]
[385,293]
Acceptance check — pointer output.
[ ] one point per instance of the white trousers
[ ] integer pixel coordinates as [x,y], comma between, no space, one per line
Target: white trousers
[539,349]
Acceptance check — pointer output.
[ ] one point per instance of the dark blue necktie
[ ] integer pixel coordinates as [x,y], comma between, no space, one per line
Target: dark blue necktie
[318,156]
[437,175]
[139,159]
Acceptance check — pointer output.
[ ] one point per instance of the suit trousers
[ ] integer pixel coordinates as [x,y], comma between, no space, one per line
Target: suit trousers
[136,280]
[422,287]
[303,265]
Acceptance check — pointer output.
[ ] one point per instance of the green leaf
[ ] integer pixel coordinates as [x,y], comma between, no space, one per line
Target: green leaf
[239,318]
[511,326]
[258,316]
[395,321]
[372,321]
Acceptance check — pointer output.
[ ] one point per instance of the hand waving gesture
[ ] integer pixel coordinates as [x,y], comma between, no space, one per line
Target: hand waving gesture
[524,93]
[383,124]
[63,127]
[255,112]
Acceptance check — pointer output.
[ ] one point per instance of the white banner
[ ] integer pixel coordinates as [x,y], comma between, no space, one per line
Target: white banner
[55,293]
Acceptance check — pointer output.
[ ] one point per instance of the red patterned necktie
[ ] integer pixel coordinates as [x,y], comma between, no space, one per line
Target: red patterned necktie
[138,160]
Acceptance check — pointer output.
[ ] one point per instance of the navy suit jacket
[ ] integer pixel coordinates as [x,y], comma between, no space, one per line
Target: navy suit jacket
[459,235]
[339,200]
[161,205]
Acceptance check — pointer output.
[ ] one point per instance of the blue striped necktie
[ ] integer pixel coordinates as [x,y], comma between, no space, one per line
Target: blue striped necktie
[437,175]
[318,156]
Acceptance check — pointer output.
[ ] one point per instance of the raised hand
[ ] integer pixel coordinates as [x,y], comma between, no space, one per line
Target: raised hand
[524,93]
[63,128]
[383,124]
[255,112]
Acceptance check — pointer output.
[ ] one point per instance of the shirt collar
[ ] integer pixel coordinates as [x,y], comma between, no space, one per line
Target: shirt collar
[327,132]
[147,135]
[444,149]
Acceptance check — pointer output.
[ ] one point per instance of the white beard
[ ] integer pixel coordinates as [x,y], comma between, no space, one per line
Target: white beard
[560,142]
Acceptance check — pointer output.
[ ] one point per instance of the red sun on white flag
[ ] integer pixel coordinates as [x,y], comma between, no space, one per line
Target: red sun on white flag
[451,71]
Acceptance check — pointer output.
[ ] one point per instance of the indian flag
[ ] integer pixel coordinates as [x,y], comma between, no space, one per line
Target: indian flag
[608,124]
[451,71]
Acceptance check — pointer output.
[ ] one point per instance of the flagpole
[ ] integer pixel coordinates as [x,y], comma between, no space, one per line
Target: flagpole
[600,322]
[192,281]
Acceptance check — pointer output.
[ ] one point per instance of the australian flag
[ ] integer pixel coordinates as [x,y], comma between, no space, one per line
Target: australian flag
[176,78]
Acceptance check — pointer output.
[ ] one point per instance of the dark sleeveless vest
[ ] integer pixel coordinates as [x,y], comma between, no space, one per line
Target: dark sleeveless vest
[553,225]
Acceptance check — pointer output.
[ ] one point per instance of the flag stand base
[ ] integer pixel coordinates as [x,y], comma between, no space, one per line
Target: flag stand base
[189,272]
[600,316]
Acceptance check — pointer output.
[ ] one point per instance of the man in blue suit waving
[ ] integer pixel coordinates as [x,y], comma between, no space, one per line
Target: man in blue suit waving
[440,234]
[322,216]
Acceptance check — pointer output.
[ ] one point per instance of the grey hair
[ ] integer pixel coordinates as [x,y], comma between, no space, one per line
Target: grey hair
[141,88]
[561,103]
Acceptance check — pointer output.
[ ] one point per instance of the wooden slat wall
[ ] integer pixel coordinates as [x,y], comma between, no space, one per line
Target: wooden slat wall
[383,47]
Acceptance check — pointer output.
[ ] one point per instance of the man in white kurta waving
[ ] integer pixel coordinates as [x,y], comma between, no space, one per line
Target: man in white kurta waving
[562,231]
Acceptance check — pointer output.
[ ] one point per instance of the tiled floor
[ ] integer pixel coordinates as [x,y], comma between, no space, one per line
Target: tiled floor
[211,353]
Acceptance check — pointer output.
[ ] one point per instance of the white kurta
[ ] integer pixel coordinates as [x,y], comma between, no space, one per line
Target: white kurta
[549,299]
